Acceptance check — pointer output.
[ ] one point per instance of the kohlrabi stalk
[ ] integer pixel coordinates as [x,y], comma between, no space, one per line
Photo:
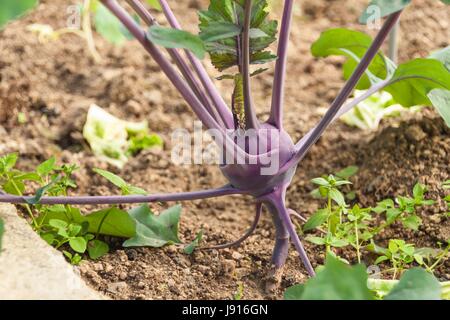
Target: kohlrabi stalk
[276,113]
[208,85]
[251,122]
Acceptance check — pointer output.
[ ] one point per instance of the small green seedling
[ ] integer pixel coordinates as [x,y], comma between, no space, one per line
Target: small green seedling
[400,254]
[338,281]
[59,233]
[239,294]
[404,208]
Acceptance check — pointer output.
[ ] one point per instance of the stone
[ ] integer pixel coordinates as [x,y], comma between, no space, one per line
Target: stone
[30,269]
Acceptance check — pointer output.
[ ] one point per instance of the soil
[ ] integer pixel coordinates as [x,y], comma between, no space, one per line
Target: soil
[54,83]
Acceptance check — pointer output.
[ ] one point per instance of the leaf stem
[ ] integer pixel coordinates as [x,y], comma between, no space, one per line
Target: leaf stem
[221,106]
[276,113]
[26,205]
[308,141]
[143,13]
[251,122]
[97,200]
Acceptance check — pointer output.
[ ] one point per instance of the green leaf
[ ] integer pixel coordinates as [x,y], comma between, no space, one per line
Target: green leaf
[174,38]
[154,4]
[419,191]
[143,142]
[109,136]
[320,182]
[218,30]
[113,221]
[78,244]
[316,220]
[443,56]
[97,249]
[108,25]
[336,281]
[154,231]
[347,172]
[441,101]
[353,45]
[8,162]
[41,192]
[416,284]
[380,259]
[111,177]
[412,222]
[386,7]
[58,224]
[294,292]
[46,167]
[189,249]
[316,240]
[337,196]
[120,183]
[13,9]
[413,81]
[221,25]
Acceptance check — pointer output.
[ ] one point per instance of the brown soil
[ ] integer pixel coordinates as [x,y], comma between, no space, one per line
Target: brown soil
[54,84]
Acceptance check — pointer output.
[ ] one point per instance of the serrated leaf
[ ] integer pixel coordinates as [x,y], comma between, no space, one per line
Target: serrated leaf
[384,8]
[174,38]
[154,231]
[219,31]
[336,281]
[416,284]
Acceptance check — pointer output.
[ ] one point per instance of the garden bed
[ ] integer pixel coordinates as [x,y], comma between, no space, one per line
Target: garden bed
[53,85]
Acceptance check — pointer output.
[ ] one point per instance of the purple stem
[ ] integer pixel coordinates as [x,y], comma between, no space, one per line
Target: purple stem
[96,200]
[140,9]
[211,89]
[281,247]
[276,113]
[162,61]
[134,28]
[277,200]
[304,145]
[244,237]
[251,122]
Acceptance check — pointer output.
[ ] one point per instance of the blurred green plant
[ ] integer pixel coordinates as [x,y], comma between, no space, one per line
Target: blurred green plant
[13,9]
